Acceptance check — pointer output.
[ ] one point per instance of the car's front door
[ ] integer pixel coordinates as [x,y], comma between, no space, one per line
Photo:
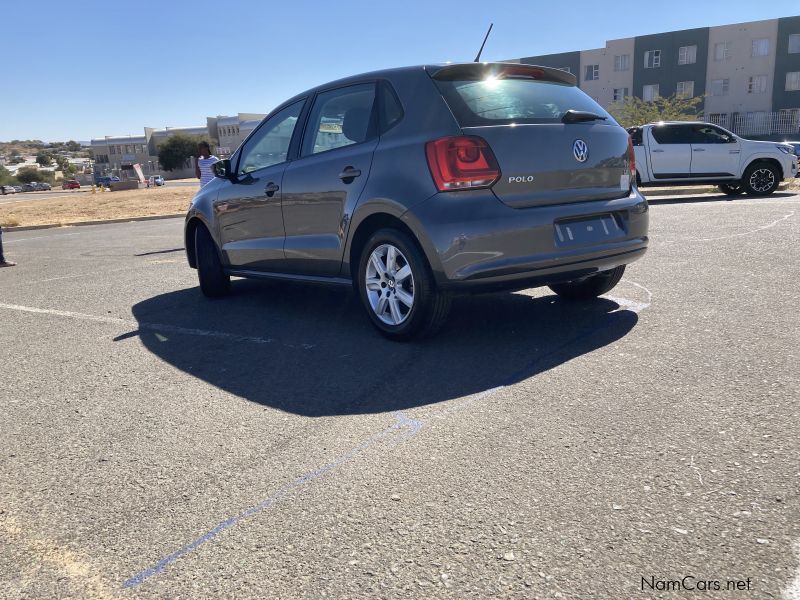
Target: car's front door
[323,185]
[670,151]
[715,152]
[248,208]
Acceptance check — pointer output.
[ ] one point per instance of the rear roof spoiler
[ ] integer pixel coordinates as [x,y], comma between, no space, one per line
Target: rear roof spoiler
[478,71]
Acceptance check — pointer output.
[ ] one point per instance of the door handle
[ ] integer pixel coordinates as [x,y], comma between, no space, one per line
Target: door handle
[699,149]
[271,189]
[349,174]
[733,152]
[657,150]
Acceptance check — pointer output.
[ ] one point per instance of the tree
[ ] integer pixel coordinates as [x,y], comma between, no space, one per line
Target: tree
[73,146]
[28,174]
[172,154]
[44,158]
[634,111]
[6,178]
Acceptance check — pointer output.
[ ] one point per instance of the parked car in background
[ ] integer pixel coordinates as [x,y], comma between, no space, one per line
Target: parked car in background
[686,153]
[28,187]
[156,180]
[105,180]
[5,190]
[41,186]
[416,184]
[71,184]
[18,188]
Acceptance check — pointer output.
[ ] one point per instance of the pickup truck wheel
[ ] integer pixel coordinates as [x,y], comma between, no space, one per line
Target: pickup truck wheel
[761,179]
[592,287]
[214,282]
[731,189]
[397,288]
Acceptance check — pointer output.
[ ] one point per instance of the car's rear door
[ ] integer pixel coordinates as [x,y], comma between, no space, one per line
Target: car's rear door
[248,207]
[670,151]
[323,185]
[715,153]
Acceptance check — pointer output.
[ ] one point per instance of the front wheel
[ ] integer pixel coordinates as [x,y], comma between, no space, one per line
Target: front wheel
[397,288]
[761,179]
[731,189]
[214,282]
[591,287]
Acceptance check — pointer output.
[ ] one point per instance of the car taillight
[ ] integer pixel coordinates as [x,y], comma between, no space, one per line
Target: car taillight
[462,162]
[631,159]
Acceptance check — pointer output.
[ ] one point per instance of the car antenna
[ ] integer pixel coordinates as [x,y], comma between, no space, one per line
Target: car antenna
[478,58]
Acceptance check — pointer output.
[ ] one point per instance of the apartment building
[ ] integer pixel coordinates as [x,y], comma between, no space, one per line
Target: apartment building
[748,74]
[232,130]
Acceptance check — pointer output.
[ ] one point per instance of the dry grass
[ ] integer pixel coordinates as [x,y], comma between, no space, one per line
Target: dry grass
[85,206]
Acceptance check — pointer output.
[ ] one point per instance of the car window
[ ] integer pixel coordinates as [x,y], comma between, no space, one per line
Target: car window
[340,118]
[673,134]
[391,109]
[494,101]
[270,144]
[707,134]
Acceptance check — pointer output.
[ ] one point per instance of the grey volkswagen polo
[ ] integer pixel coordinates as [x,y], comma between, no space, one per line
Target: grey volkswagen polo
[419,183]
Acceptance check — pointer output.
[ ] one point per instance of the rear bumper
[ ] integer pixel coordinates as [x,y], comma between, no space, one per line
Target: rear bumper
[474,242]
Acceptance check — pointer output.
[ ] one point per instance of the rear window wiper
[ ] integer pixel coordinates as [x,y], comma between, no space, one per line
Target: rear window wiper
[580,116]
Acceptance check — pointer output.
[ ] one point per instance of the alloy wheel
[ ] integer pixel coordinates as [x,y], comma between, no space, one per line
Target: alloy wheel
[389,284]
[762,180]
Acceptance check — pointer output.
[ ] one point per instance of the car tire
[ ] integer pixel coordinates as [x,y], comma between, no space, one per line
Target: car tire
[731,189]
[591,287]
[761,179]
[214,282]
[405,307]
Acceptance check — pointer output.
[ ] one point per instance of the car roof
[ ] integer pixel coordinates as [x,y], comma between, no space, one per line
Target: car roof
[432,68]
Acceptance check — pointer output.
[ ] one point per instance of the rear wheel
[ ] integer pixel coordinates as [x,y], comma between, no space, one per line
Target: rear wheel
[731,189]
[397,288]
[591,287]
[214,282]
[761,179]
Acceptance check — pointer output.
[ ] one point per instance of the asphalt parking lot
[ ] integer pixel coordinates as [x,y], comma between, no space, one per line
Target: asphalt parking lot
[272,445]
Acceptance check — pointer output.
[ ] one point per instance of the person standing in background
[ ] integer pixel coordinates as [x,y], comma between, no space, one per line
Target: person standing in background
[3,261]
[205,160]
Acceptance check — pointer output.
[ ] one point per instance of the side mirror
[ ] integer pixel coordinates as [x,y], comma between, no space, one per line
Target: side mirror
[222,168]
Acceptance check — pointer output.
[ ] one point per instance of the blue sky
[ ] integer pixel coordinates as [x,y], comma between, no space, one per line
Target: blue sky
[76,70]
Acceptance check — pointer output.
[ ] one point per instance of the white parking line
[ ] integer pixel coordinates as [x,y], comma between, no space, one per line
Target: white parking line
[40,237]
[156,327]
[792,591]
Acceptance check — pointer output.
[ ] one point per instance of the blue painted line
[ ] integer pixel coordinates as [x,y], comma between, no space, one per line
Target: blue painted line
[402,423]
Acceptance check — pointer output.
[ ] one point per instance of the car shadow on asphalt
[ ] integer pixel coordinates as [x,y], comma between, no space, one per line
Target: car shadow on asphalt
[324,358]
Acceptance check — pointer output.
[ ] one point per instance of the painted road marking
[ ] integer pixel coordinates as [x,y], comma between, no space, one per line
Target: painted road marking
[156,327]
[409,426]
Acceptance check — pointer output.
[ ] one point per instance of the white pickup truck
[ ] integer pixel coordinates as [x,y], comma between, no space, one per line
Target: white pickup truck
[684,153]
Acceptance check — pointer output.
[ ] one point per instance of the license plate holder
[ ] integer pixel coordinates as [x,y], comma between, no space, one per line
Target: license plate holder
[587,230]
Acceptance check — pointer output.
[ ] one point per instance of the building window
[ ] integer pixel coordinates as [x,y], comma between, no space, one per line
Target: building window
[793,81]
[111,150]
[794,43]
[620,94]
[760,47]
[592,73]
[685,89]
[622,62]
[722,51]
[652,59]
[720,119]
[720,87]
[757,84]
[687,55]
[650,92]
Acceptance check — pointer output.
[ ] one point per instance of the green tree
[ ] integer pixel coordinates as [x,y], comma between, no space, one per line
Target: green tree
[44,159]
[28,174]
[635,111]
[172,154]
[6,178]
[73,146]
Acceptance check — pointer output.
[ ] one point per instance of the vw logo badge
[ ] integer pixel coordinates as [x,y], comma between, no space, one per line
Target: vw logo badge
[580,150]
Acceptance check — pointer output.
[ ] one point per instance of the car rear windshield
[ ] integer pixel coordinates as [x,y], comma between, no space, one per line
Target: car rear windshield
[504,101]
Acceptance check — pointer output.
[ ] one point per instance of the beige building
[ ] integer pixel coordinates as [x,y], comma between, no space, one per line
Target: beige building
[231,131]
[607,73]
